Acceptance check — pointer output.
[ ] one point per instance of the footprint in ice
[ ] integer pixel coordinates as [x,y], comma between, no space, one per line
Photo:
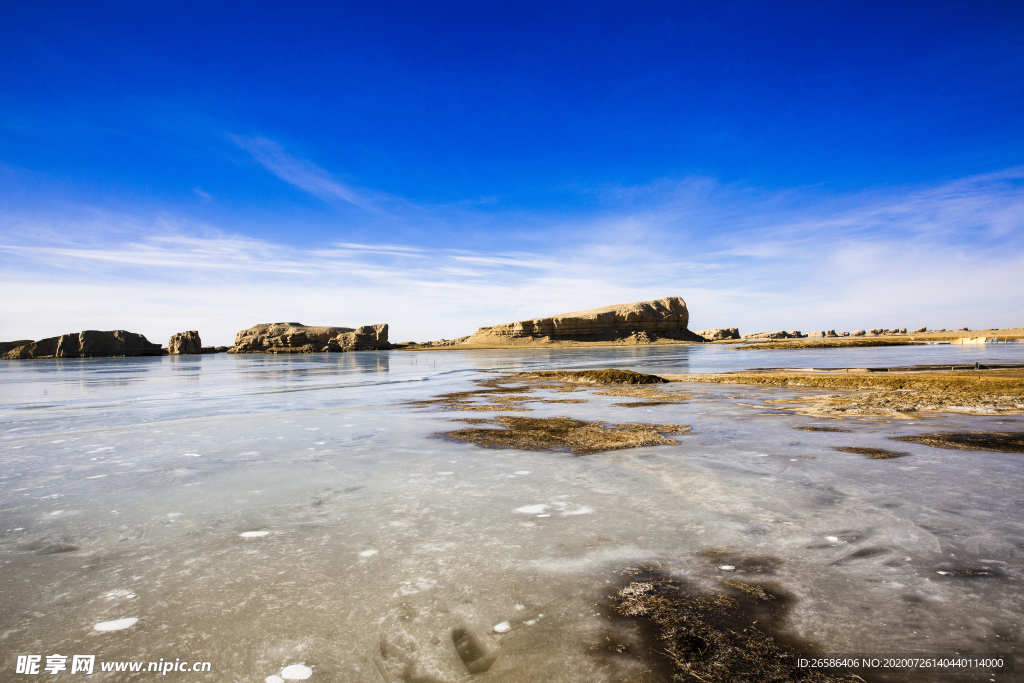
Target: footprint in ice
[116,625]
[296,672]
[476,650]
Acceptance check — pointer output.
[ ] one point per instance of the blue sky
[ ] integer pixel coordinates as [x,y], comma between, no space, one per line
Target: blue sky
[441,166]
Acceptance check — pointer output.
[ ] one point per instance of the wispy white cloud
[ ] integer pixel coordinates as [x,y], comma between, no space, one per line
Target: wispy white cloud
[306,175]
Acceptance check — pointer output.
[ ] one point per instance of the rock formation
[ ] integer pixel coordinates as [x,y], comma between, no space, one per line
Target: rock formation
[642,322]
[87,344]
[718,334]
[299,338]
[185,342]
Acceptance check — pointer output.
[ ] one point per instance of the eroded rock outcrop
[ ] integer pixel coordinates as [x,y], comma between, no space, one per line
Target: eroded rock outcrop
[299,338]
[643,322]
[86,344]
[720,333]
[185,343]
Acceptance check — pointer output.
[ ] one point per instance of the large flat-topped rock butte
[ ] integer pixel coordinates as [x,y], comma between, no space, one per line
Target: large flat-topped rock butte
[299,338]
[86,344]
[642,322]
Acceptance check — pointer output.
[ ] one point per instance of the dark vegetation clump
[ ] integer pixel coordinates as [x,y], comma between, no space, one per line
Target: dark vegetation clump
[823,429]
[873,453]
[1000,442]
[722,638]
[563,433]
[598,376]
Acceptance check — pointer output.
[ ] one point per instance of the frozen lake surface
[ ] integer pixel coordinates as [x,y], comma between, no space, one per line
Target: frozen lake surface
[290,514]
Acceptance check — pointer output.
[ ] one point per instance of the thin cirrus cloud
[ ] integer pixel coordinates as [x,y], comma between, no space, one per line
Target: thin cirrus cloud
[306,175]
[946,255]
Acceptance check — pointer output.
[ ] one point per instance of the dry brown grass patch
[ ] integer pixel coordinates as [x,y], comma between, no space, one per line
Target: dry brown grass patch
[830,344]
[563,433]
[888,393]
[609,376]
[873,453]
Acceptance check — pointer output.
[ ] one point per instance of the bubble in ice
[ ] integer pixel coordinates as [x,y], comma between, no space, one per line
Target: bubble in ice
[116,624]
[532,509]
[519,606]
[503,627]
[254,534]
[192,455]
[368,553]
[834,539]
[531,622]
[120,593]
[544,515]
[296,672]
[445,474]
[584,510]
[726,567]
[521,472]
[274,679]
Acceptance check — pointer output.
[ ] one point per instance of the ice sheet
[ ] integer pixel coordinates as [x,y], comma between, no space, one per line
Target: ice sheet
[324,524]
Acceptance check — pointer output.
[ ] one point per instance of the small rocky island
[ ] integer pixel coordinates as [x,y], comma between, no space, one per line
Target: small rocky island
[85,344]
[299,338]
[641,322]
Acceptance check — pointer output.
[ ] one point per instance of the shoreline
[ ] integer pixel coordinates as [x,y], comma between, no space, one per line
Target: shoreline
[892,393]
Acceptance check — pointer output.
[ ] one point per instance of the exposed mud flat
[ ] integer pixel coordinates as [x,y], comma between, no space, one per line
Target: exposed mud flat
[999,442]
[563,433]
[981,392]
